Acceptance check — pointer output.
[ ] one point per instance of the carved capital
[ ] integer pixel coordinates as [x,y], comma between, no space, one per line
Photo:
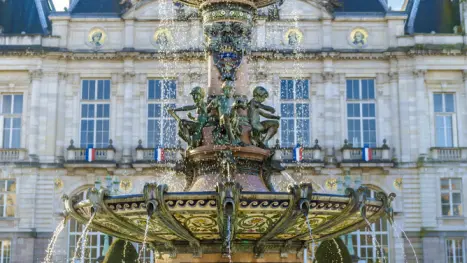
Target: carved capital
[327,76]
[393,76]
[35,74]
[62,75]
[419,73]
[128,76]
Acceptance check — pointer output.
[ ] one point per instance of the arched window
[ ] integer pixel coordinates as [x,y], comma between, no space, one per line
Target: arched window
[95,241]
[362,244]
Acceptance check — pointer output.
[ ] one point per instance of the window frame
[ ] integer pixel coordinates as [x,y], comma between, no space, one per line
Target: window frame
[450,192]
[4,191]
[376,249]
[294,101]
[72,234]
[95,102]
[443,113]
[5,258]
[360,101]
[453,249]
[163,102]
[11,115]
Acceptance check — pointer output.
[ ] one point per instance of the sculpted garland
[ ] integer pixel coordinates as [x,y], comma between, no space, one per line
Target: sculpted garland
[233,120]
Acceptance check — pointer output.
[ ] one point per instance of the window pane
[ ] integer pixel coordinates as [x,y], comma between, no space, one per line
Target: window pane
[356,88]
[449,102]
[92,90]
[287,110]
[151,89]
[302,89]
[444,184]
[18,104]
[85,90]
[303,132]
[286,89]
[170,89]
[365,89]
[11,186]
[15,139]
[7,100]
[456,184]
[438,102]
[170,129]
[371,89]
[100,89]
[349,92]
[303,110]
[158,90]
[106,89]
[166,107]
[445,198]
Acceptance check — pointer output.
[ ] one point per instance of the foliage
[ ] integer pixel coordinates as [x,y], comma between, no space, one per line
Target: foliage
[121,251]
[334,251]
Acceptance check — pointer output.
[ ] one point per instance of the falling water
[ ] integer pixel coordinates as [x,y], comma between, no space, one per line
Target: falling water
[229,237]
[80,239]
[399,236]
[338,250]
[289,178]
[53,240]
[309,228]
[373,236]
[84,244]
[124,248]
[143,247]
[410,243]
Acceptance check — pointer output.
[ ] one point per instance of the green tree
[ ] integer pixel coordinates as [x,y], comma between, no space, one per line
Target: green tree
[121,251]
[332,251]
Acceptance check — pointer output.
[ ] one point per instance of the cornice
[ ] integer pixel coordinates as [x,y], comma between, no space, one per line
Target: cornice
[308,55]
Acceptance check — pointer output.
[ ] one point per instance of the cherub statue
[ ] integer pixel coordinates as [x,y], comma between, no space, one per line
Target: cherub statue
[226,107]
[256,109]
[191,130]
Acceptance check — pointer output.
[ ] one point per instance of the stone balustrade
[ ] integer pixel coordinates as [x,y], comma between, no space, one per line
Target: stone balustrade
[11,155]
[309,155]
[147,155]
[380,156]
[448,153]
[79,154]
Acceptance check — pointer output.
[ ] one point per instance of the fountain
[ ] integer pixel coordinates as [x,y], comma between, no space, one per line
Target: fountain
[229,205]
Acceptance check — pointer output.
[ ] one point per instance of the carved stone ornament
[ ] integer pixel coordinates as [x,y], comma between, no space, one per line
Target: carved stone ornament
[96,38]
[358,37]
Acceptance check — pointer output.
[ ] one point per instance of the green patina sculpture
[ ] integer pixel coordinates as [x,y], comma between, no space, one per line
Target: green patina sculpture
[226,107]
[256,109]
[191,130]
[121,251]
[333,250]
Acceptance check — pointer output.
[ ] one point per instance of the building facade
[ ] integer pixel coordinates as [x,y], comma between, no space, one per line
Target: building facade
[358,75]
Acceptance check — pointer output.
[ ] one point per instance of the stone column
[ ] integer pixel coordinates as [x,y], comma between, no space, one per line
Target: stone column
[463,137]
[60,124]
[395,113]
[317,107]
[139,119]
[383,108]
[422,113]
[36,77]
[330,102]
[128,78]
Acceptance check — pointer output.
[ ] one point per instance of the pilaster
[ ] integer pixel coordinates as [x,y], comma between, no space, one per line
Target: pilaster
[129,33]
[330,102]
[462,137]
[128,78]
[422,112]
[60,124]
[394,114]
[36,79]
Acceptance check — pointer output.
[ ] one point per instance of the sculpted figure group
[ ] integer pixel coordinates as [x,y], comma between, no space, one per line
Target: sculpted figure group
[230,117]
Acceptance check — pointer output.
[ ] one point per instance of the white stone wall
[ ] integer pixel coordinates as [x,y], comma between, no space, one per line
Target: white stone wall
[405,82]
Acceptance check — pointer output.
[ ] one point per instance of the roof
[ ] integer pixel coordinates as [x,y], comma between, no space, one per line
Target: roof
[96,7]
[28,16]
[439,16]
[361,6]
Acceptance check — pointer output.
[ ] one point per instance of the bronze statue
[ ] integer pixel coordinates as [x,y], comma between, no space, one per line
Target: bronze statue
[191,131]
[256,109]
[226,107]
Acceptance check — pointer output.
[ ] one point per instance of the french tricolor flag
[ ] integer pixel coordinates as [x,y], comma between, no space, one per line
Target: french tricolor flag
[298,153]
[367,153]
[159,154]
[90,154]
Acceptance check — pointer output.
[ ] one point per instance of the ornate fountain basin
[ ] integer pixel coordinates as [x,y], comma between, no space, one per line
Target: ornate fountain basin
[194,222]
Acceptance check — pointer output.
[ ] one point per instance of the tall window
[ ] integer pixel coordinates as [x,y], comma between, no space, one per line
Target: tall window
[444,119]
[295,113]
[12,109]
[94,244]
[95,113]
[7,198]
[455,250]
[148,254]
[451,197]
[5,251]
[162,128]
[361,112]
[364,245]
